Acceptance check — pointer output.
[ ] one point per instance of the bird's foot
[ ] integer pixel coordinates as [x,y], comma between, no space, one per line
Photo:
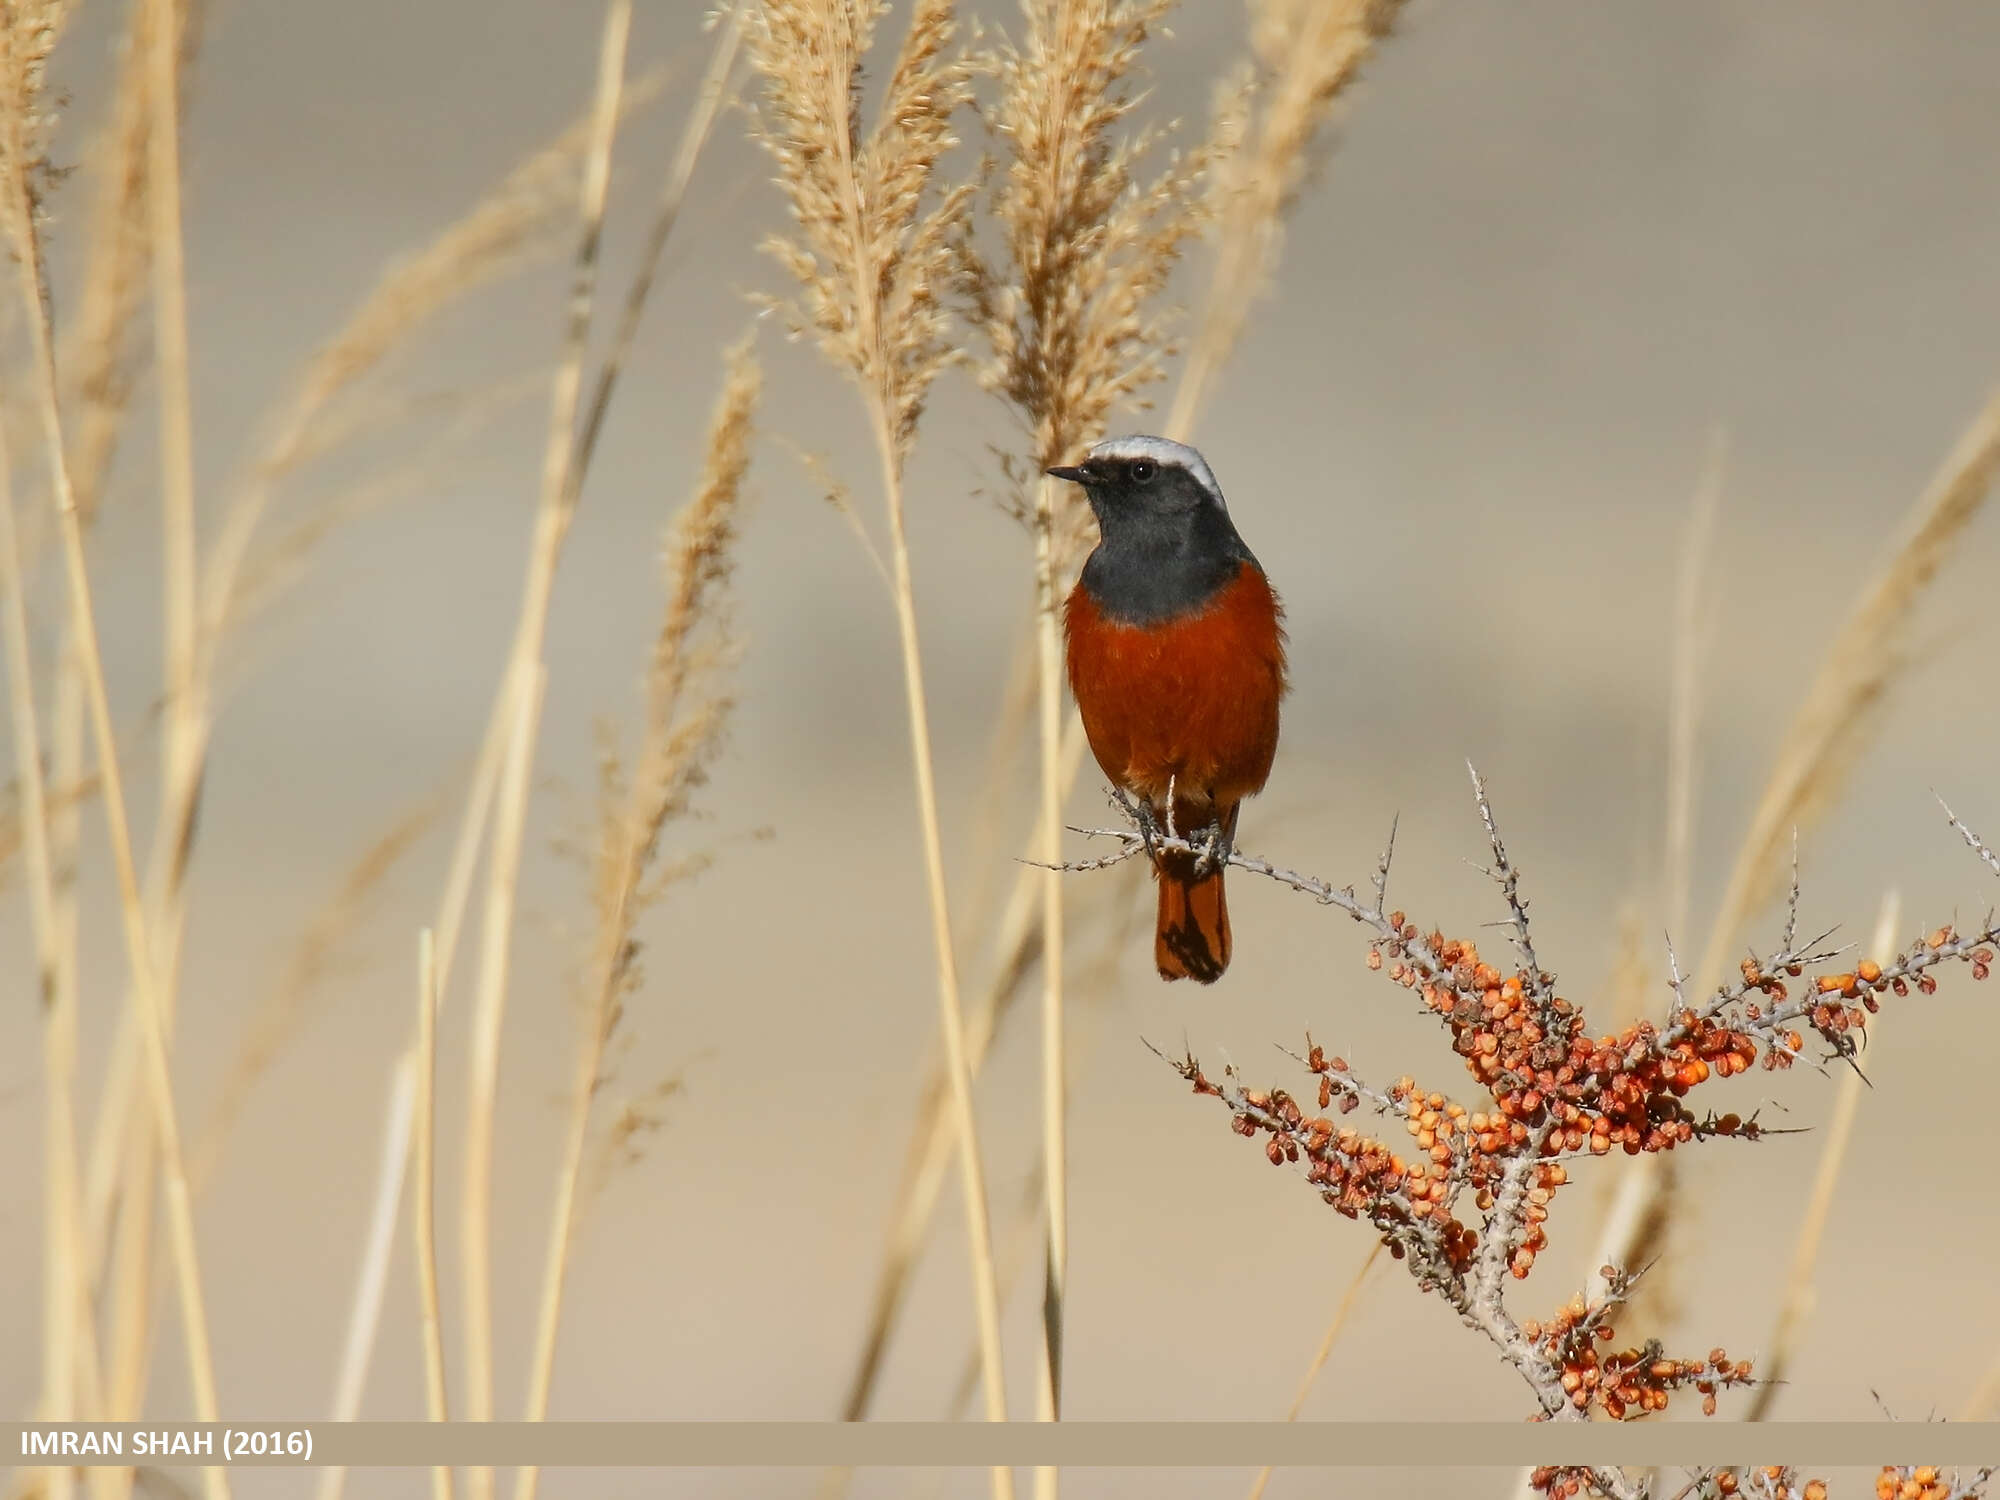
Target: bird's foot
[1213,847]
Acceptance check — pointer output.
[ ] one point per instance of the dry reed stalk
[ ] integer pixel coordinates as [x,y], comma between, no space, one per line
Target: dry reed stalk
[170,364]
[686,709]
[1018,942]
[423,1216]
[1832,726]
[870,263]
[129,1268]
[708,101]
[475,1250]
[1341,1312]
[65,834]
[1089,249]
[28,34]
[1018,932]
[65,1307]
[370,1288]
[1799,1295]
[510,817]
[1055,1106]
[1116,923]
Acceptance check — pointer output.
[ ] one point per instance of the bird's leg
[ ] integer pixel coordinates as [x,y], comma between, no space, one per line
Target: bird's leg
[1141,814]
[1172,832]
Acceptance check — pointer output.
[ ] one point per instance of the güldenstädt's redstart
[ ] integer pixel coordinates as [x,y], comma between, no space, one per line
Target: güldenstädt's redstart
[1176,648]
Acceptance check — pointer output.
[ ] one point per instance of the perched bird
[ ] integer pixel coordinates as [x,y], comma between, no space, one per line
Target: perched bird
[1176,650]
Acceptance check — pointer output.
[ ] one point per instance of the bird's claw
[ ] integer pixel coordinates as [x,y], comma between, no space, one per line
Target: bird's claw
[1214,849]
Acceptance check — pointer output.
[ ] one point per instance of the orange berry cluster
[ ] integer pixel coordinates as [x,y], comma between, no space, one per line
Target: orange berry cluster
[1358,1176]
[1541,1066]
[1838,1006]
[1773,1482]
[1562,1483]
[1630,1382]
[1922,1483]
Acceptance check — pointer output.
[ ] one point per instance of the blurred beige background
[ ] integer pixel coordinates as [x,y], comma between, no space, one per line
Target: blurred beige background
[1554,247]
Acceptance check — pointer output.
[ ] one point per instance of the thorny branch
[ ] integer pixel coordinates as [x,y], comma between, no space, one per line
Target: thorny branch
[1465,1209]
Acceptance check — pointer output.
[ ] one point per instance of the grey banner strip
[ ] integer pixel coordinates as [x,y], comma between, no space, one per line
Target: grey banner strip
[966,1444]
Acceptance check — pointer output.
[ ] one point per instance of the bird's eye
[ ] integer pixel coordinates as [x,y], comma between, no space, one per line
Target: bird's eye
[1142,470]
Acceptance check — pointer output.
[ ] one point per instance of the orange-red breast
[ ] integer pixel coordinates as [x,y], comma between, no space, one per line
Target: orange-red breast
[1176,650]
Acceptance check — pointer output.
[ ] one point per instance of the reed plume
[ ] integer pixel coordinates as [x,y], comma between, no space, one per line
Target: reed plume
[1074,333]
[1307,54]
[871,252]
[686,709]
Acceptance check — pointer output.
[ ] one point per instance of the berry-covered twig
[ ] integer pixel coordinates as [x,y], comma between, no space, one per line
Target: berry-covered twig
[1466,1203]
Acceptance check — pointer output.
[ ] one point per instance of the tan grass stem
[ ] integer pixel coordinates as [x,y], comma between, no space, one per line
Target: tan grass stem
[180,1217]
[1341,1312]
[1055,1148]
[979,1228]
[1800,1296]
[130,1280]
[872,268]
[64,1303]
[423,1216]
[475,1248]
[528,675]
[170,363]
[365,1316]
[708,102]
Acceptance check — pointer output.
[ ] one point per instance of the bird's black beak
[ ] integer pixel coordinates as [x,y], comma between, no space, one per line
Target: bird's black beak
[1073,475]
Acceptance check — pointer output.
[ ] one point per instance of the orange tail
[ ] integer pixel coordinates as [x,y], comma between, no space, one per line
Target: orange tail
[1192,938]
